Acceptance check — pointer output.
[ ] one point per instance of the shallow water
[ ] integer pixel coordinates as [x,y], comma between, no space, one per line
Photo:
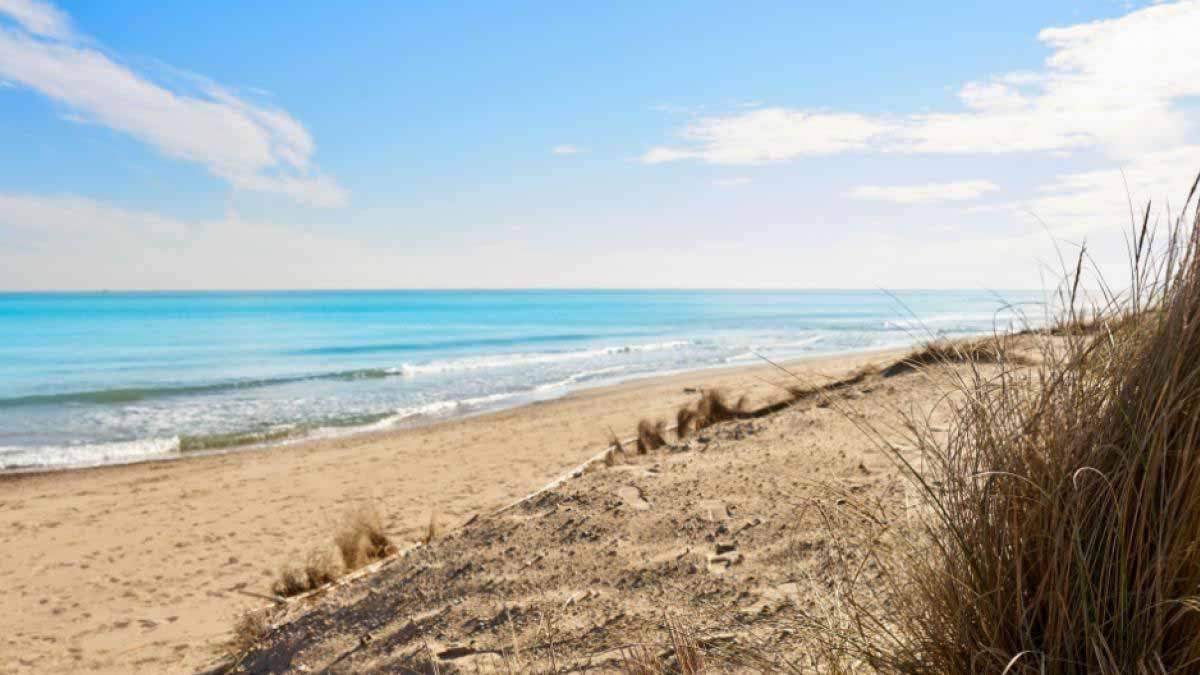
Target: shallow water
[95,378]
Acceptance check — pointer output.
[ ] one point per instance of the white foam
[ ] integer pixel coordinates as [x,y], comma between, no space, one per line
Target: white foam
[999,319]
[797,343]
[578,377]
[741,356]
[434,409]
[507,360]
[85,455]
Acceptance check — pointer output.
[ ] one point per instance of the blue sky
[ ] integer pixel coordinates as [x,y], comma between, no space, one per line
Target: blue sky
[699,144]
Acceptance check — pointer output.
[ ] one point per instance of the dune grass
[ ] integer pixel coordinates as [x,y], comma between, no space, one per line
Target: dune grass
[985,350]
[616,453]
[712,408]
[359,540]
[432,531]
[1061,513]
[681,654]
[249,628]
[650,436]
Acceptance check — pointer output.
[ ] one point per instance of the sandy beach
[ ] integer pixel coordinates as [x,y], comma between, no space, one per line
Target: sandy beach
[644,339]
[144,567]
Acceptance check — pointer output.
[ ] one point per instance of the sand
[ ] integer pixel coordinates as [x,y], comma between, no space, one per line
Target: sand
[144,568]
[732,536]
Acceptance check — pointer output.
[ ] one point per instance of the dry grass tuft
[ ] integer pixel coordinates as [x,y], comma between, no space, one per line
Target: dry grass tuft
[616,451]
[1063,510]
[682,654]
[689,660]
[712,408]
[432,531]
[650,436]
[361,539]
[800,393]
[292,580]
[987,350]
[249,628]
[685,421]
[640,659]
[321,568]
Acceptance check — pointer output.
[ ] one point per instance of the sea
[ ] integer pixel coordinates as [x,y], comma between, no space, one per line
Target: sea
[90,379]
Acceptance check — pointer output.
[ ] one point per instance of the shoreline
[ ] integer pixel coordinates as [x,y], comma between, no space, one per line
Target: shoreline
[143,567]
[518,400]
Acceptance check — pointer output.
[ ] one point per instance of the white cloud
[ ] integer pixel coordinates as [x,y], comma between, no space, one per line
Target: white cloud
[1111,85]
[38,18]
[1076,204]
[770,135]
[954,191]
[731,181]
[567,150]
[253,147]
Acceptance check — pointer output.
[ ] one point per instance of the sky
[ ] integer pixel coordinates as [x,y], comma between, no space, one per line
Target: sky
[234,145]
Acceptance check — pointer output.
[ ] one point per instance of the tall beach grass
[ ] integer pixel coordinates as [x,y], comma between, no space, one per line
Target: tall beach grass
[1059,521]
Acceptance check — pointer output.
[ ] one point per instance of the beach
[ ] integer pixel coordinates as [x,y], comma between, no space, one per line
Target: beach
[146,566]
[462,338]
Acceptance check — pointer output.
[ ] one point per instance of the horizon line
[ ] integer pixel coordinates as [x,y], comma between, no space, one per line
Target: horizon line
[503,289]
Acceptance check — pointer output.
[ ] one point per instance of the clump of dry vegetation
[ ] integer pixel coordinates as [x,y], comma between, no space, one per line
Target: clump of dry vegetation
[291,581]
[712,408]
[682,654]
[986,350]
[359,541]
[249,628]
[685,421]
[650,436]
[1062,509]
[432,530]
[318,569]
[616,453]
[321,568]
[798,393]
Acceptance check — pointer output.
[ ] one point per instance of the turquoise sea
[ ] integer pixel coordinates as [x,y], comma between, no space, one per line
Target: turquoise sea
[97,378]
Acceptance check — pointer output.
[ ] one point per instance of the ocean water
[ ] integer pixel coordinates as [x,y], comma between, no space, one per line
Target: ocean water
[98,378]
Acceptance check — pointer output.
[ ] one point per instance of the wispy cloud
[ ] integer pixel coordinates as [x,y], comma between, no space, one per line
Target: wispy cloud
[38,18]
[769,135]
[567,150]
[1074,203]
[253,147]
[954,191]
[1111,85]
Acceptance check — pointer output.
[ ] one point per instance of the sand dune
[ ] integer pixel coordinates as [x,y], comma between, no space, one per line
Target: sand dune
[724,533]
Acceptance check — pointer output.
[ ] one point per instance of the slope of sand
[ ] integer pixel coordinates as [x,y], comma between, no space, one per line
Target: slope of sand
[726,533]
[144,567]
